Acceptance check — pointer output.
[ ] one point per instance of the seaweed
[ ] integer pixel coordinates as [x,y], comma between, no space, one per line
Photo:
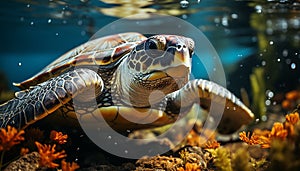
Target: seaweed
[222,159]
[241,160]
[258,87]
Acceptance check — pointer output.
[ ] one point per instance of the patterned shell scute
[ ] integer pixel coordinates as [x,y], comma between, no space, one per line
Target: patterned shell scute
[101,51]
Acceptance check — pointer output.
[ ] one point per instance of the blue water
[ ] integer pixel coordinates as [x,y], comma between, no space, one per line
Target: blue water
[34,33]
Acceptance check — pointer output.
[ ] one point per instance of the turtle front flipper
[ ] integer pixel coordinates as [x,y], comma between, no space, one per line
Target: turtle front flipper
[39,101]
[211,96]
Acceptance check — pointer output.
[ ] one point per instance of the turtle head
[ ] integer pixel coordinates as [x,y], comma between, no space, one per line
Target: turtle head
[161,53]
[162,56]
[161,62]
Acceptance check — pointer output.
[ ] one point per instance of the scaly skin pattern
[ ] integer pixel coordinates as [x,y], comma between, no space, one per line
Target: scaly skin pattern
[131,81]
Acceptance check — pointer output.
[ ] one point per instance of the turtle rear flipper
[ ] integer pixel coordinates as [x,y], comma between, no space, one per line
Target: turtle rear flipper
[39,101]
[224,107]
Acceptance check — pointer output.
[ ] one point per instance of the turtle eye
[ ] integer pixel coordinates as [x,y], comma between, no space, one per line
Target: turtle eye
[150,44]
[152,48]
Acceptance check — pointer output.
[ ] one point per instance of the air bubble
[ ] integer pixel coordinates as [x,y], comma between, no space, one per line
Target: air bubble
[258,8]
[225,21]
[293,66]
[80,22]
[268,102]
[269,93]
[271,42]
[109,137]
[263,63]
[264,118]
[56,34]
[31,23]
[19,64]
[49,20]
[126,151]
[234,16]
[285,53]
[184,4]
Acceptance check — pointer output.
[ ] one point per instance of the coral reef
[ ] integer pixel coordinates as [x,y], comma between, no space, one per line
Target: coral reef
[46,157]
[259,149]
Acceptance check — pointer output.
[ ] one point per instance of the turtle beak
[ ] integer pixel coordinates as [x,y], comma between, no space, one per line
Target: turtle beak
[182,55]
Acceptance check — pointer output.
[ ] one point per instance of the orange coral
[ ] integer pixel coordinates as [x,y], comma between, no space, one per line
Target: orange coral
[10,137]
[66,166]
[190,167]
[287,104]
[292,95]
[24,151]
[251,140]
[278,131]
[48,155]
[213,144]
[58,137]
[292,118]
[203,139]
[290,99]
[264,138]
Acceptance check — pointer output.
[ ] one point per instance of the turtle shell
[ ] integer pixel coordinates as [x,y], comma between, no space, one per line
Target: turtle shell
[104,51]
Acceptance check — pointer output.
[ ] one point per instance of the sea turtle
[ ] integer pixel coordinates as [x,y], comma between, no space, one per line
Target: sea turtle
[128,76]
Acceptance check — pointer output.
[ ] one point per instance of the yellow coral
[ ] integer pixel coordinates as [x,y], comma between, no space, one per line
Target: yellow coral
[66,166]
[58,137]
[49,155]
[10,137]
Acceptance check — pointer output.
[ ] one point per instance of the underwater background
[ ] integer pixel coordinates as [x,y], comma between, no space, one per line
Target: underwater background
[258,42]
